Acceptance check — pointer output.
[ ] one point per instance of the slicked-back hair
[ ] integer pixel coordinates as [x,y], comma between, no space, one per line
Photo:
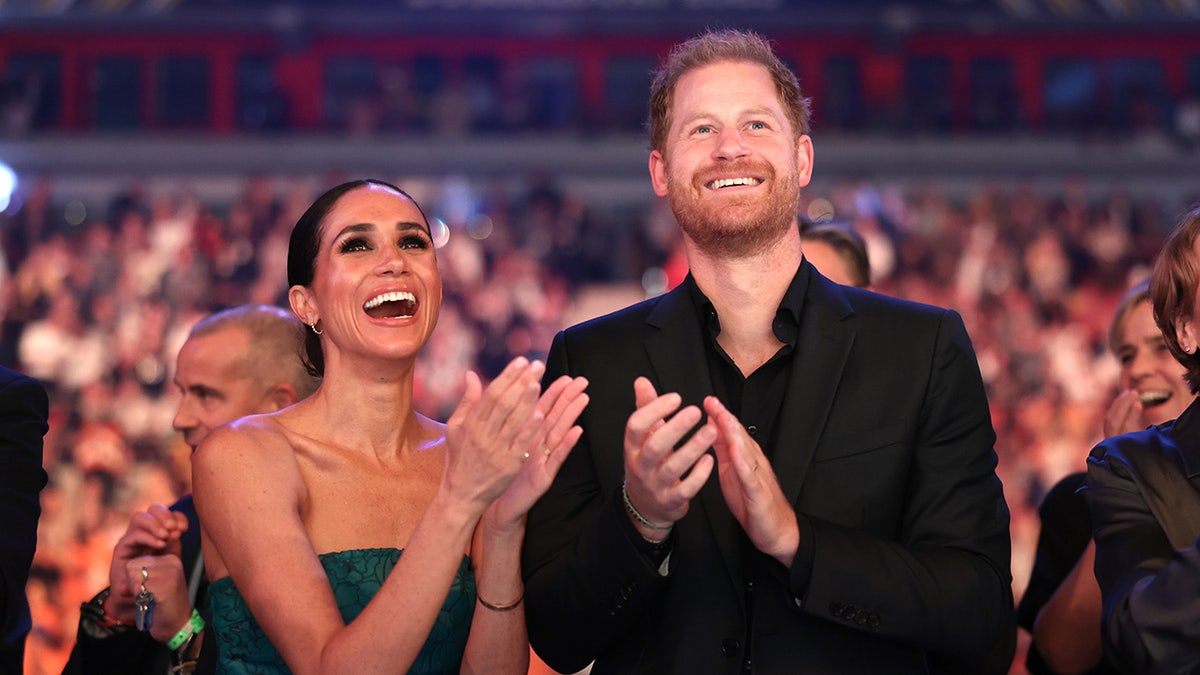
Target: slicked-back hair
[305,242]
[1173,291]
[849,246]
[713,47]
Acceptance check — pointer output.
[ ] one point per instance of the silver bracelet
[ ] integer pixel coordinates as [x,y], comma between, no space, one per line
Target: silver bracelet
[639,517]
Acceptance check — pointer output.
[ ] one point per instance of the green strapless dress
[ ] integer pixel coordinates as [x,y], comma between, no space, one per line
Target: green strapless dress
[355,577]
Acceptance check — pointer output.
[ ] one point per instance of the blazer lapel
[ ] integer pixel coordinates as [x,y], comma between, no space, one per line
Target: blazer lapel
[676,352]
[822,348]
[1174,495]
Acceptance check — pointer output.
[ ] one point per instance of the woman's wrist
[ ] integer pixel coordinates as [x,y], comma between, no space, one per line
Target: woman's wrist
[452,513]
[507,531]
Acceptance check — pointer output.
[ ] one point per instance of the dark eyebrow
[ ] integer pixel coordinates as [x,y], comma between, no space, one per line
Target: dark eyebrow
[407,225]
[359,227]
[403,226]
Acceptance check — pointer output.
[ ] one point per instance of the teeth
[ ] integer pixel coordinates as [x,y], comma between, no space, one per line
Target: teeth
[1154,397]
[394,296]
[730,182]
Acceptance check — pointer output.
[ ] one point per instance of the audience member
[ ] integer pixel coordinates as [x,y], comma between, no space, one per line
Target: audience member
[23,414]
[237,362]
[855,521]
[838,252]
[1061,605]
[1145,502]
[358,534]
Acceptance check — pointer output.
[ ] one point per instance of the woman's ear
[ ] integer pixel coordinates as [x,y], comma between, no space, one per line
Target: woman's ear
[1185,335]
[302,304]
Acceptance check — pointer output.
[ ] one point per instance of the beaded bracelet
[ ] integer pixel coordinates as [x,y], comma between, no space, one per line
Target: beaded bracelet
[639,517]
[193,626]
[501,608]
[102,618]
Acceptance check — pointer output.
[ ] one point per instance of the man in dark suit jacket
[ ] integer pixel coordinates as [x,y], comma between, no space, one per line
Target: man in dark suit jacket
[24,410]
[237,362]
[855,523]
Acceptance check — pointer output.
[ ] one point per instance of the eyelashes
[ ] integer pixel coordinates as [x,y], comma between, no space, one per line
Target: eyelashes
[353,244]
[356,244]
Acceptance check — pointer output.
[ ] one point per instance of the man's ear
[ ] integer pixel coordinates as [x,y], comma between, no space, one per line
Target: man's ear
[281,396]
[804,159]
[658,173]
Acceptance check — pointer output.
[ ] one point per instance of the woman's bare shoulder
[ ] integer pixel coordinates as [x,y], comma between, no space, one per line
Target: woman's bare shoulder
[252,441]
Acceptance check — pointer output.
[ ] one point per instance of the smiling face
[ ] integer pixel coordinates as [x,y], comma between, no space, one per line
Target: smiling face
[732,165]
[376,288]
[1148,366]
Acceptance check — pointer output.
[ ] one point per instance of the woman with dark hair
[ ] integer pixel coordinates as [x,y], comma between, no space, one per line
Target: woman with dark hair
[350,533]
[1143,489]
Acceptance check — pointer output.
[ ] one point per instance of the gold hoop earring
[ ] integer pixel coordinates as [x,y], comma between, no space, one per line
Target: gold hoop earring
[312,323]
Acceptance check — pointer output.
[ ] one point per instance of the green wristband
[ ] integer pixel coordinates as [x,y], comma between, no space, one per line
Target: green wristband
[193,626]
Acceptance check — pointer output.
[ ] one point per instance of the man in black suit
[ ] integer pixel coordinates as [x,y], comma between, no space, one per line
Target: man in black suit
[777,474]
[237,362]
[24,410]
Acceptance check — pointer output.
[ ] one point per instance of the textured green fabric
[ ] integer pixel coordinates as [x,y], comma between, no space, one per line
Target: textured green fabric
[355,577]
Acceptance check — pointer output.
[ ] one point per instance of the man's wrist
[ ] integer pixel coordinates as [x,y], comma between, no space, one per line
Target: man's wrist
[789,546]
[655,533]
[95,619]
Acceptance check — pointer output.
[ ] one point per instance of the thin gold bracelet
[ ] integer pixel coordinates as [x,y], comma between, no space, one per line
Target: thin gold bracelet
[501,608]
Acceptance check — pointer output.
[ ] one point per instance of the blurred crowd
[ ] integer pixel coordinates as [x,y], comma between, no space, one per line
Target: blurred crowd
[97,310]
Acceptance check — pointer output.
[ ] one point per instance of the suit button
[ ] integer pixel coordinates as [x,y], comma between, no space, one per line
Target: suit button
[835,608]
[730,646]
[752,429]
[861,617]
[873,620]
[848,612]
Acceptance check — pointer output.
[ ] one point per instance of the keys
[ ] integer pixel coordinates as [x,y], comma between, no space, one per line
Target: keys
[145,609]
[144,605]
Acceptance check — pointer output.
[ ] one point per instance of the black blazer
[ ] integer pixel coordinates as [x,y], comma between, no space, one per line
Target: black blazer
[135,653]
[1144,492]
[885,447]
[24,409]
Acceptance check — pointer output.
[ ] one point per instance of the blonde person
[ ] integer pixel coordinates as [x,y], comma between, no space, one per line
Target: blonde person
[1061,604]
[1144,496]
[349,533]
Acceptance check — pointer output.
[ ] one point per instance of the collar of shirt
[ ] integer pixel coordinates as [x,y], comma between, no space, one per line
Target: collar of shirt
[787,317]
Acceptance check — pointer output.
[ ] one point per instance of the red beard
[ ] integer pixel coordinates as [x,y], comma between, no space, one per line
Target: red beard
[739,227]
